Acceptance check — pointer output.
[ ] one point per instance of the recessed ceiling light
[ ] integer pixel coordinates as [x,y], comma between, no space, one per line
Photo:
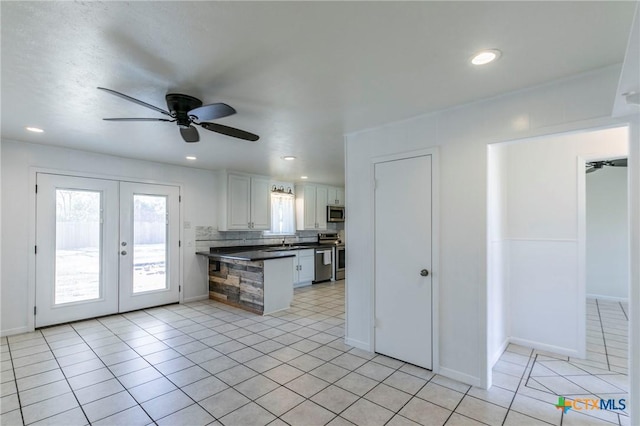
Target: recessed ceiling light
[34,129]
[304,177]
[289,158]
[190,157]
[485,56]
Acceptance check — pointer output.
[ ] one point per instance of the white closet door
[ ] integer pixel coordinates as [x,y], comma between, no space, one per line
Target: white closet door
[403,260]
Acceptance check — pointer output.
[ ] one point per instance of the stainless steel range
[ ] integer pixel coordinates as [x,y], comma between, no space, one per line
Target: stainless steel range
[339,264]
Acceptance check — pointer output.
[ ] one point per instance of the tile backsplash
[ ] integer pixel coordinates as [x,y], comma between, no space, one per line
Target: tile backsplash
[209,236]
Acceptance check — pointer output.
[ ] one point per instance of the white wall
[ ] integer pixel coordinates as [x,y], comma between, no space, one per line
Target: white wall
[607,234]
[543,207]
[462,134]
[198,196]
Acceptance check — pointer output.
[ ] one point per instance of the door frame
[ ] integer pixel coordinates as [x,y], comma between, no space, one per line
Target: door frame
[31,220]
[435,245]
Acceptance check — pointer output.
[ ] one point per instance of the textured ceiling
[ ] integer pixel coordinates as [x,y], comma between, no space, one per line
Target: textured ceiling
[300,74]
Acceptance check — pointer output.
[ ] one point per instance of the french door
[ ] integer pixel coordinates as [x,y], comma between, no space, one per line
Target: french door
[103,246]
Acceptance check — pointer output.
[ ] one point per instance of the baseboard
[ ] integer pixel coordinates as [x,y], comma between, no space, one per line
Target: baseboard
[17,330]
[195,299]
[304,284]
[358,344]
[544,347]
[461,377]
[497,354]
[609,298]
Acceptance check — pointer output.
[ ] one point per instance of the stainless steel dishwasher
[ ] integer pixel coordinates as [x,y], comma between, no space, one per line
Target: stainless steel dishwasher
[323,264]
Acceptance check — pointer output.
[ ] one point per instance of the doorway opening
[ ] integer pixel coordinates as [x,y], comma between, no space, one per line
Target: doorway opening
[538,266]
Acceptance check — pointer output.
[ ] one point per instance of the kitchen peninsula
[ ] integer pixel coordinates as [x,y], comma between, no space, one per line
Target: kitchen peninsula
[259,281]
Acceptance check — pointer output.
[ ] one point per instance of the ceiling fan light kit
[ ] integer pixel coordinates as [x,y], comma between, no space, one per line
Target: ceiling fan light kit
[186,111]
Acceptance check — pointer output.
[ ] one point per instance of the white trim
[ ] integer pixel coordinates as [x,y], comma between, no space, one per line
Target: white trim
[196,298]
[17,330]
[72,173]
[544,347]
[633,177]
[434,152]
[461,377]
[496,356]
[541,240]
[609,298]
[581,212]
[346,259]
[358,344]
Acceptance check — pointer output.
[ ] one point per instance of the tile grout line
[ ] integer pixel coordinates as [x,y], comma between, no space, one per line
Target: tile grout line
[162,374]
[15,380]
[623,311]
[66,380]
[604,338]
[117,378]
[224,355]
[532,360]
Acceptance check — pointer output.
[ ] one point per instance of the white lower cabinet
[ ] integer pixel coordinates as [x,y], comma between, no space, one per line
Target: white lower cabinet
[303,267]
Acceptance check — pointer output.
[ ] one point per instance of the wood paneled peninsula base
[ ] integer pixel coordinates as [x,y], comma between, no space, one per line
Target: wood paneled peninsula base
[257,281]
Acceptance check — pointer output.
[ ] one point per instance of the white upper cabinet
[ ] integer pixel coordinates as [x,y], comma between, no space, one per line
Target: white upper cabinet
[340,196]
[245,203]
[260,203]
[311,207]
[238,202]
[321,207]
[335,196]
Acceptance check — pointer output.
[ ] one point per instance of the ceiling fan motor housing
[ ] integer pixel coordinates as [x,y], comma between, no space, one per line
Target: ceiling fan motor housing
[179,105]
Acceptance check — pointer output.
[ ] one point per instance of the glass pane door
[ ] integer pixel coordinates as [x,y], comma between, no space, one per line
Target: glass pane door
[149,245]
[78,249]
[76,239]
[149,242]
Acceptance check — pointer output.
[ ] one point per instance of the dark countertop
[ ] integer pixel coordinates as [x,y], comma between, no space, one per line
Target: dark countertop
[257,253]
[251,256]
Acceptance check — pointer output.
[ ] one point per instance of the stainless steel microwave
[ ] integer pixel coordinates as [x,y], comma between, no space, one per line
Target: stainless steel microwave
[335,213]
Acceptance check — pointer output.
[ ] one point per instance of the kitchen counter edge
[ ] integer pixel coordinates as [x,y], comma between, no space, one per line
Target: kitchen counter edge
[251,256]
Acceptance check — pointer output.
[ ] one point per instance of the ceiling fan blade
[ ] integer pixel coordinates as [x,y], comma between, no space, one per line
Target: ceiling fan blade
[189,134]
[230,131]
[212,111]
[618,163]
[138,119]
[134,100]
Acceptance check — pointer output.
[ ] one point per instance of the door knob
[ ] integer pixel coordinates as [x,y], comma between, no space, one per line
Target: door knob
[123,252]
[424,272]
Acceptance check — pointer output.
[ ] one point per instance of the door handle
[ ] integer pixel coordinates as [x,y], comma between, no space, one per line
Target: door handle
[424,273]
[123,252]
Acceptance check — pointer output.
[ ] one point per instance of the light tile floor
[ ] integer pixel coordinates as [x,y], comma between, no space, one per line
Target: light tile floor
[207,363]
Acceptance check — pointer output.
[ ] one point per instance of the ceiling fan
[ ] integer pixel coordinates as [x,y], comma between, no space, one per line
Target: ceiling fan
[186,111]
[597,165]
